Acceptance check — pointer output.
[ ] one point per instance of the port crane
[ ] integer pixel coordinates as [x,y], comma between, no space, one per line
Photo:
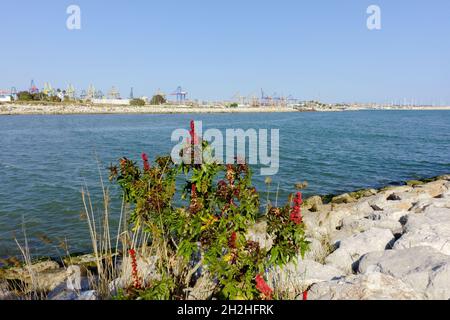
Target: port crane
[180,94]
[33,89]
[113,93]
[70,92]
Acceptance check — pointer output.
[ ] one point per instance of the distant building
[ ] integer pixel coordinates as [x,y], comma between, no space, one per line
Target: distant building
[5,98]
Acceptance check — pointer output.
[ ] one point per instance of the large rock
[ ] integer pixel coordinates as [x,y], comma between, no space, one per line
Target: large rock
[397,199]
[421,206]
[87,260]
[430,228]
[373,286]
[414,183]
[351,249]
[435,188]
[88,296]
[75,283]
[363,193]
[387,191]
[74,295]
[343,198]
[323,223]
[294,278]
[21,273]
[313,204]
[50,280]
[354,226]
[389,214]
[40,277]
[445,177]
[203,289]
[361,209]
[426,270]
[318,249]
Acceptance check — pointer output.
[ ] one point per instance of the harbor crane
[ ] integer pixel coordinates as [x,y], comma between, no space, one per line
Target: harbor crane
[91,92]
[113,93]
[180,94]
[48,89]
[265,100]
[70,92]
[33,89]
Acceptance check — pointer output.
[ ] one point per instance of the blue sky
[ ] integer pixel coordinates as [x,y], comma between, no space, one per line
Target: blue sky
[317,49]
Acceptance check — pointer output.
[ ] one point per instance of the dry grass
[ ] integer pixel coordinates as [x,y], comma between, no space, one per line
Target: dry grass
[30,289]
[111,251]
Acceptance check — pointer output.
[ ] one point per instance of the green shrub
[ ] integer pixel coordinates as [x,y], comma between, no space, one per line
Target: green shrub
[137,102]
[158,100]
[203,225]
[24,96]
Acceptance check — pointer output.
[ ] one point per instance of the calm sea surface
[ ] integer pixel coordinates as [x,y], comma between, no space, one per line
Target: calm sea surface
[45,160]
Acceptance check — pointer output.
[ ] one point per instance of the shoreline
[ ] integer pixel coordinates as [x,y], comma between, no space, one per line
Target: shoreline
[325,198]
[350,234]
[62,109]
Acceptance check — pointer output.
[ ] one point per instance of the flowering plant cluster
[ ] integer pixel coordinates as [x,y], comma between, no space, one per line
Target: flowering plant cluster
[200,227]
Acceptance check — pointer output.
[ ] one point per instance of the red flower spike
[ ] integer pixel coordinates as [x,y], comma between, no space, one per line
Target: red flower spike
[296,213]
[194,138]
[146,163]
[192,127]
[298,199]
[263,287]
[134,270]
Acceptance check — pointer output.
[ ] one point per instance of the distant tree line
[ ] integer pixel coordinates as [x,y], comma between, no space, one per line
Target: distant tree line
[40,96]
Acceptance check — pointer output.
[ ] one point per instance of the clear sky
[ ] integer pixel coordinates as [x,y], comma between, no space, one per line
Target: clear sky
[317,49]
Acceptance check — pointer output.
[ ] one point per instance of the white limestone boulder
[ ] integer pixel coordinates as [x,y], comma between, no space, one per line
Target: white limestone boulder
[426,270]
[373,286]
[430,228]
[351,249]
[294,278]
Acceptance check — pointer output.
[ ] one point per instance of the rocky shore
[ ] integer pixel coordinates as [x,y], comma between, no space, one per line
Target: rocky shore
[23,109]
[392,243]
[68,109]
[388,244]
